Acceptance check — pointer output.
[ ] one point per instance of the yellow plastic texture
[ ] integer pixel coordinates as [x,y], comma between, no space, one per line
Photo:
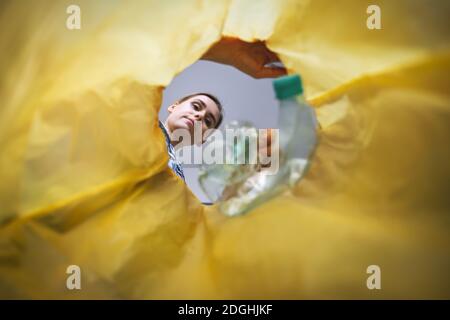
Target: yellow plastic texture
[83,174]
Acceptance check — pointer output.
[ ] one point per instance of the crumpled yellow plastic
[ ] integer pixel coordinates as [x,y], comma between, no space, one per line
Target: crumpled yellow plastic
[83,175]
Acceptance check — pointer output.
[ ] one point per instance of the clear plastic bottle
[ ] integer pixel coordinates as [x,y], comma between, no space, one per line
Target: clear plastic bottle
[239,188]
[298,125]
[219,179]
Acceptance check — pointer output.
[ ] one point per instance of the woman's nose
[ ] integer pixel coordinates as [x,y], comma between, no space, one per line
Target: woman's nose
[199,115]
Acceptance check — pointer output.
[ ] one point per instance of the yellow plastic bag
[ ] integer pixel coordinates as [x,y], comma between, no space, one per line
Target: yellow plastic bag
[83,168]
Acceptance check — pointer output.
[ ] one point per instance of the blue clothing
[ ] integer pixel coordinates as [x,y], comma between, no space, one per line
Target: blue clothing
[173,162]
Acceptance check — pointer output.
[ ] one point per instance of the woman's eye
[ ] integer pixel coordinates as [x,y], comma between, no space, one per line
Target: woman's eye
[208,122]
[196,106]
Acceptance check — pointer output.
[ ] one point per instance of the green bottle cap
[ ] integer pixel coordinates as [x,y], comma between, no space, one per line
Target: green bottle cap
[288,86]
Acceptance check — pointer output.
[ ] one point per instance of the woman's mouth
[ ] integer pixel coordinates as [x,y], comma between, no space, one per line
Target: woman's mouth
[189,122]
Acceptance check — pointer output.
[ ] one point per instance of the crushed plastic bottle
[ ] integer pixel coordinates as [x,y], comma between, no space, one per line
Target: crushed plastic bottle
[215,178]
[239,187]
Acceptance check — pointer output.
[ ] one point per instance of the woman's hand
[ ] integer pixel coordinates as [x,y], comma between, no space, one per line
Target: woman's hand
[265,147]
[249,57]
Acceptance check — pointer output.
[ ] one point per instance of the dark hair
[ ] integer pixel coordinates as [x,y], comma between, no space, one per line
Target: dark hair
[213,98]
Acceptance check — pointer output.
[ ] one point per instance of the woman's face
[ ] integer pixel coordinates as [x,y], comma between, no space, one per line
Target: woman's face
[197,108]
